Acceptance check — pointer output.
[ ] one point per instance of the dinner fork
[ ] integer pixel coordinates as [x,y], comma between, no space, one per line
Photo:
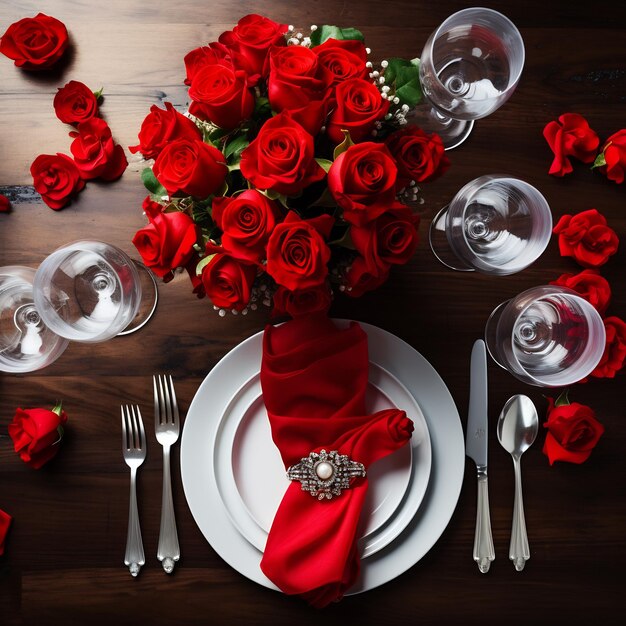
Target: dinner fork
[167,428]
[134,450]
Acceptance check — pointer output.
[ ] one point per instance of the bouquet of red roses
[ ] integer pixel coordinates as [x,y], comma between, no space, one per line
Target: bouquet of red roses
[291,174]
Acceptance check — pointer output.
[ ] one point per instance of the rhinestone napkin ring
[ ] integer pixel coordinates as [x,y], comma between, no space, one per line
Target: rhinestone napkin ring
[325,474]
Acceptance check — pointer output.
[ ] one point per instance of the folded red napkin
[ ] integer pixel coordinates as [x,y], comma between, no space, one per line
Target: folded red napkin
[314,378]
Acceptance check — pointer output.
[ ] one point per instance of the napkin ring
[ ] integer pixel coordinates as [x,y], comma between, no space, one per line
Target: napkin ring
[325,474]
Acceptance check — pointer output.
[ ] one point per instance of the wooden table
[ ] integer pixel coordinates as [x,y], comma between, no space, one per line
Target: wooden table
[64,556]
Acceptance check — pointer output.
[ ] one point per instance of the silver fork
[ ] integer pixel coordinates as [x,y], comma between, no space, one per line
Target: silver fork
[167,428]
[134,450]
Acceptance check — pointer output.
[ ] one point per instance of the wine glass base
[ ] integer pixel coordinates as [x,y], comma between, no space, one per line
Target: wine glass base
[491,336]
[149,300]
[439,245]
[452,132]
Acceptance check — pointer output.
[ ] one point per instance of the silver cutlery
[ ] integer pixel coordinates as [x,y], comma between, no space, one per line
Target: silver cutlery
[476,449]
[167,428]
[517,428]
[134,451]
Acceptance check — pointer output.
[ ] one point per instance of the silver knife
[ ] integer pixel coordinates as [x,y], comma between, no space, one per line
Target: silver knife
[476,449]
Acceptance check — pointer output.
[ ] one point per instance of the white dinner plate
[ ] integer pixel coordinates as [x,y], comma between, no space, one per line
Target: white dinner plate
[403,363]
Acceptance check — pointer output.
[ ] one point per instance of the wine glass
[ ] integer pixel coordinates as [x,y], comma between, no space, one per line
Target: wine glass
[91,291]
[469,67]
[496,224]
[546,336]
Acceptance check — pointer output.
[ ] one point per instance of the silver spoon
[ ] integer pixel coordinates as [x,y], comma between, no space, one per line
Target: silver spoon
[517,428]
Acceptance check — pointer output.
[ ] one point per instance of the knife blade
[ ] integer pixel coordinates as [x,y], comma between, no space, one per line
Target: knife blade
[476,449]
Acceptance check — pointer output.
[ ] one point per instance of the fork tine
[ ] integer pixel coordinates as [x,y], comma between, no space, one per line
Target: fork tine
[125,445]
[134,428]
[157,409]
[166,400]
[174,402]
[142,432]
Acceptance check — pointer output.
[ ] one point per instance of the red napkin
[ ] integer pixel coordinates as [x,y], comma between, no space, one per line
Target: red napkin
[314,378]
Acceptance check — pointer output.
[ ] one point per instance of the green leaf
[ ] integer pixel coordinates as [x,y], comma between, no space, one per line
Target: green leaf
[269,193]
[344,145]
[402,76]
[151,183]
[203,263]
[410,93]
[325,32]
[232,167]
[236,146]
[562,400]
[98,94]
[325,164]
[58,407]
[600,161]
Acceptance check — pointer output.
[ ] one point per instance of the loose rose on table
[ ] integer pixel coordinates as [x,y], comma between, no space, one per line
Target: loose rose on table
[37,434]
[75,103]
[570,136]
[56,178]
[614,356]
[5,204]
[35,43]
[590,285]
[5,523]
[612,159]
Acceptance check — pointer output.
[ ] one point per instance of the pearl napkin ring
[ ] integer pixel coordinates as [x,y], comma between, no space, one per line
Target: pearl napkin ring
[325,474]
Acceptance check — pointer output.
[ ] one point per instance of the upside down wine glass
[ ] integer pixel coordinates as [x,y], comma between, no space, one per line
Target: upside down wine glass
[546,336]
[496,224]
[469,67]
[87,291]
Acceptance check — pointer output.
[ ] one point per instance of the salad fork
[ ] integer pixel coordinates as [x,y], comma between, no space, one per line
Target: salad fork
[134,451]
[167,428]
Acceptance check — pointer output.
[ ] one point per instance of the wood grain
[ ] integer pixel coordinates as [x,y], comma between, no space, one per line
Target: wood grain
[63,563]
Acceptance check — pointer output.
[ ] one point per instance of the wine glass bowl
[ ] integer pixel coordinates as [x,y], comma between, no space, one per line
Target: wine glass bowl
[546,336]
[495,224]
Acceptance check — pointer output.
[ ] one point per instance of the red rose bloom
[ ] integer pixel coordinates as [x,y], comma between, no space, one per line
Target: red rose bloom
[36,434]
[246,222]
[573,432]
[213,54]
[75,103]
[587,238]
[614,152]
[250,41]
[221,95]
[570,136]
[297,255]
[342,60]
[615,351]
[359,106]
[190,167]
[56,178]
[590,285]
[302,301]
[362,180]
[95,153]
[167,241]
[419,156]
[363,276]
[5,522]
[5,204]
[281,158]
[390,239]
[35,43]
[228,282]
[160,127]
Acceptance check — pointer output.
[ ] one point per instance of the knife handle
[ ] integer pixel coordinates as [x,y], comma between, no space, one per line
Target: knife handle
[483,540]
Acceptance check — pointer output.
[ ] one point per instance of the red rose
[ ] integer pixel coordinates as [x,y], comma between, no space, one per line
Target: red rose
[74,103]
[587,238]
[297,255]
[419,156]
[302,301]
[160,127]
[389,239]
[56,178]
[35,43]
[615,351]
[362,180]
[342,60]
[221,95]
[167,241]
[95,153]
[570,136]
[190,167]
[363,276]
[246,222]
[281,158]
[250,41]
[359,106]
[5,204]
[573,432]
[36,434]
[5,522]
[590,285]
[228,282]
[614,152]
[214,53]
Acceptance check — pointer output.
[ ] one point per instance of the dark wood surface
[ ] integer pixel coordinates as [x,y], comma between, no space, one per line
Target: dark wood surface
[63,563]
